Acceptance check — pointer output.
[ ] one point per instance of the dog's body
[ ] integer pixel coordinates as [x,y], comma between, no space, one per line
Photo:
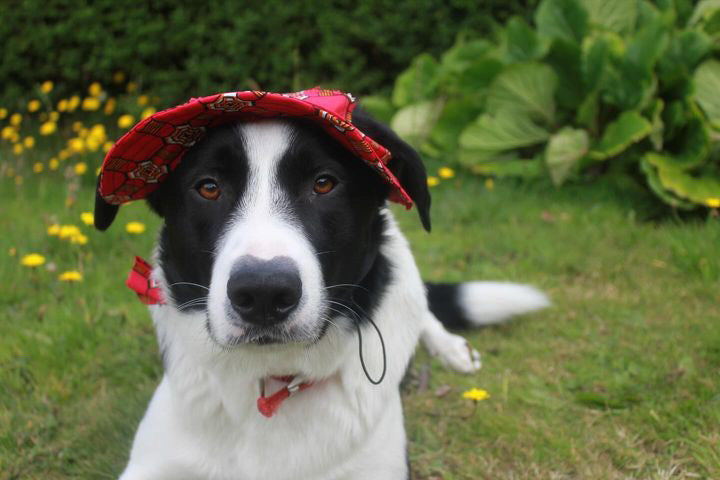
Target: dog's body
[342,263]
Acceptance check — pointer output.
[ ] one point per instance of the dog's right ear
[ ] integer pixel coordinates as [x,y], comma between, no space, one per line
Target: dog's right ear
[104,212]
[405,163]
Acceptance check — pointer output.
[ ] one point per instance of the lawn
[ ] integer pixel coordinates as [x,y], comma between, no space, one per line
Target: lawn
[619,379]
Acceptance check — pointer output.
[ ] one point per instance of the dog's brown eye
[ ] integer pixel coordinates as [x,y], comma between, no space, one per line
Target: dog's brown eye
[208,189]
[324,184]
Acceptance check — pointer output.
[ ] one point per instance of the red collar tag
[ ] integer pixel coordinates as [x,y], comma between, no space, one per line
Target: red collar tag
[140,281]
[269,405]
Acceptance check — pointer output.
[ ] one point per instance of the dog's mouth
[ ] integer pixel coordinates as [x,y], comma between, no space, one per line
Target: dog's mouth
[264,336]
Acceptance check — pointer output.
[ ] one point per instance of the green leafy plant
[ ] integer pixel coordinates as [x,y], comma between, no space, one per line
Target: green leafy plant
[592,86]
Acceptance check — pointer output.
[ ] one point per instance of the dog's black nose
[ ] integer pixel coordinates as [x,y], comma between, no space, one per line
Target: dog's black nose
[264,292]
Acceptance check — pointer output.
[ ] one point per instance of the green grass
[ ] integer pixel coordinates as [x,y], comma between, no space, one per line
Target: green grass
[620,379]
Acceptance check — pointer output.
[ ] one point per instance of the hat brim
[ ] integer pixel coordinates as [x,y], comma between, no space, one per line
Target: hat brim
[138,162]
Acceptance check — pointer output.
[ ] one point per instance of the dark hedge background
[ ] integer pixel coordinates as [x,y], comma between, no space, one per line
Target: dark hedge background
[175,49]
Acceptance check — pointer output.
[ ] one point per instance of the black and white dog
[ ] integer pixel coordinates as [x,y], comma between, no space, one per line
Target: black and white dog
[277,256]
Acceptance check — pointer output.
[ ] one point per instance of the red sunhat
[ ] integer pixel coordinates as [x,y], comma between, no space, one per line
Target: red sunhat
[144,156]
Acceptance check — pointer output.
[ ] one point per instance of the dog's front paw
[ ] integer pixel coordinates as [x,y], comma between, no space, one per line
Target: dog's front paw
[453,351]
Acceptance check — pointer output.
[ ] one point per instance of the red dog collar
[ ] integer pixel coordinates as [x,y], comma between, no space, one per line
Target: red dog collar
[144,156]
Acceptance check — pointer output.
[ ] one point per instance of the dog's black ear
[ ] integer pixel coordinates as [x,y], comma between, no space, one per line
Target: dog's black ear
[405,163]
[104,212]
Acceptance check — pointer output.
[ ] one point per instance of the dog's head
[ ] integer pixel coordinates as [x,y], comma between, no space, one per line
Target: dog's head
[274,229]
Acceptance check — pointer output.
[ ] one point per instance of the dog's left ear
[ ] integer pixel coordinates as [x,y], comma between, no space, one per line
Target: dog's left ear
[104,212]
[405,163]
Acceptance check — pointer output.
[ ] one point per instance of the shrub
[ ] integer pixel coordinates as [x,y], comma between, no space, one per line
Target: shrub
[181,49]
[594,85]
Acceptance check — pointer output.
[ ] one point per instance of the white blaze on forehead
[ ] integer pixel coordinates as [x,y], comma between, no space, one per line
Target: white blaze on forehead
[263,226]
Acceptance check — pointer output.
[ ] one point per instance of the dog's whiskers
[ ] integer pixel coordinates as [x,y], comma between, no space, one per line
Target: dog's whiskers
[189,283]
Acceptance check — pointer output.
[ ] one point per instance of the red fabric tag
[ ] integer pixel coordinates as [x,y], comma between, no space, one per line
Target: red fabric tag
[140,281]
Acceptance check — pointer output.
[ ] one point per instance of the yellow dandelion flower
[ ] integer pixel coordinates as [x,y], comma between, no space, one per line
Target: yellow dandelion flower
[34,105]
[73,103]
[29,142]
[98,131]
[489,183]
[118,77]
[12,251]
[32,260]
[95,89]
[70,276]
[97,171]
[90,104]
[135,227]
[126,121]
[7,132]
[54,116]
[38,167]
[83,132]
[92,144]
[46,86]
[18,149]
[65,153]
[67,231]
[147,112]
[87,218]
[446,172]
[77,126]
[110,106]
[433,181]
[15,119]
[62,105]
[476,394]
[142,100]
[3,113]
[76,145]
[54,230]
[48,128]
[53,164]
[19,180]
[107,146]
[712,202]
[79,239]
[131,87]
[80,168]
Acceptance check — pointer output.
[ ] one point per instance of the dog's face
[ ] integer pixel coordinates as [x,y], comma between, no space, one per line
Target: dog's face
[274,230]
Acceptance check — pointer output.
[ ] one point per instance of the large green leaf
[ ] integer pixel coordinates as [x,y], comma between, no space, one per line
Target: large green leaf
[566,19]
[594,60]
[707,90]
[690,146]
[653,179]
[566,59]
[524,88]
[472,82]
[616,15]
[455,116]
[704,10]
[414,122]
[522,44]
[417,83]
[685,51]
[629,128]
[563,151]
[503,131]
[648,44]
[699,189]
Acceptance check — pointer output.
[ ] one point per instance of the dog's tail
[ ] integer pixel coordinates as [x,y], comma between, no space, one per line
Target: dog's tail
[474,304]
